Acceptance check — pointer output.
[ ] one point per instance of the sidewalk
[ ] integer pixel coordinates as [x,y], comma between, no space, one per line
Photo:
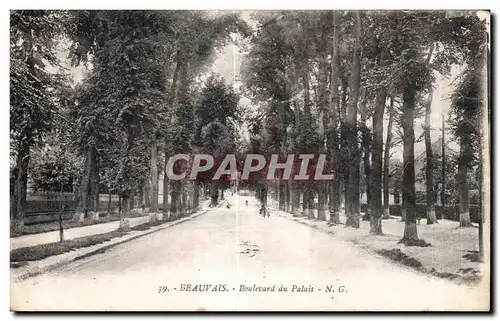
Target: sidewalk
[447,257]
[50,237]
[72,233]
[35,268]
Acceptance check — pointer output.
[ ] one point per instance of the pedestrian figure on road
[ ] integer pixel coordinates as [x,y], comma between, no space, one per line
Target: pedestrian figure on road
[264,211]
[246,203]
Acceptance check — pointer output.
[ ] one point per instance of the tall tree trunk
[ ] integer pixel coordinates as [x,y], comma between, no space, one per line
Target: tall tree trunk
[308,193]
[170,103]
[18,201]
[484,159]
[323,105]
[85,186]
[463,187]
[196,196]
[430,194]
[332,133]
[125,213]
[353,193]
[142,204]
[295,199]
[481,182]
[147,193]
[154,176]
[133,202]
[310,203]
[61,227]
[367,166]
[175,201]
[288,196]
[262,189]
[295,187]
[109,202]
[166,184]
[344,143]
[376,174]
[184,201]
[214,192]
[94,186]
[344,81]
[19,195]
[443,170]
[409,206]
[387,156]
[321,201]
[127,195]
[366,144]
[306,201]
[281,198]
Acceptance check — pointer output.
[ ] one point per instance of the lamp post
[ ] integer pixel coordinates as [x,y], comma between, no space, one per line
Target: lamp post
[443,176]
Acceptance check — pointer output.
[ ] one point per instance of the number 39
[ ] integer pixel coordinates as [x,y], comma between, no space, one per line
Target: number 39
[162,289]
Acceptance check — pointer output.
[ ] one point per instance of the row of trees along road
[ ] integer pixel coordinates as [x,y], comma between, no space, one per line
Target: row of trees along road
[318,77]
[145,98]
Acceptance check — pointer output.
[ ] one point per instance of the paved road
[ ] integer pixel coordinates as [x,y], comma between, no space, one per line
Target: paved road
[235,247]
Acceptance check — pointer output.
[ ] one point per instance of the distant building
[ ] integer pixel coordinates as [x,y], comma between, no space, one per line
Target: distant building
[420,161]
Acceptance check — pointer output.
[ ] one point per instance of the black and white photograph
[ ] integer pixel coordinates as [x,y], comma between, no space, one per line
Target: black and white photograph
[250,160]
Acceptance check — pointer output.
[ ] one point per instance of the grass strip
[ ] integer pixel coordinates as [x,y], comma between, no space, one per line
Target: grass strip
[42,251]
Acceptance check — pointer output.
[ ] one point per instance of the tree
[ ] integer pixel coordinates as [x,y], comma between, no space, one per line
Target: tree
[376,174]
[286,71]
[466,36]
[409,97]
[198,36]
[34,92]
[272,75]
[92,128]
[430,192]
[132,82]
[450,170]
[366,145]
[466,105]
[155,56]
[54,166]
[413,74]
[387,155]
[352,201]
[332,131]
[217,115]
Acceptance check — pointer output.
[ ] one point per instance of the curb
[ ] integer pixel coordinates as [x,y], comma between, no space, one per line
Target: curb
[35,271]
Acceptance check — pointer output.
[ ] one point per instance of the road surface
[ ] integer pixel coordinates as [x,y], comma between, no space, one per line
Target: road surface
[225,251]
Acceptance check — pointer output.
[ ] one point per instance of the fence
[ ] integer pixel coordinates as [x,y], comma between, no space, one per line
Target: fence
[450,212]
[46,202]
[42,206]
[45,206]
